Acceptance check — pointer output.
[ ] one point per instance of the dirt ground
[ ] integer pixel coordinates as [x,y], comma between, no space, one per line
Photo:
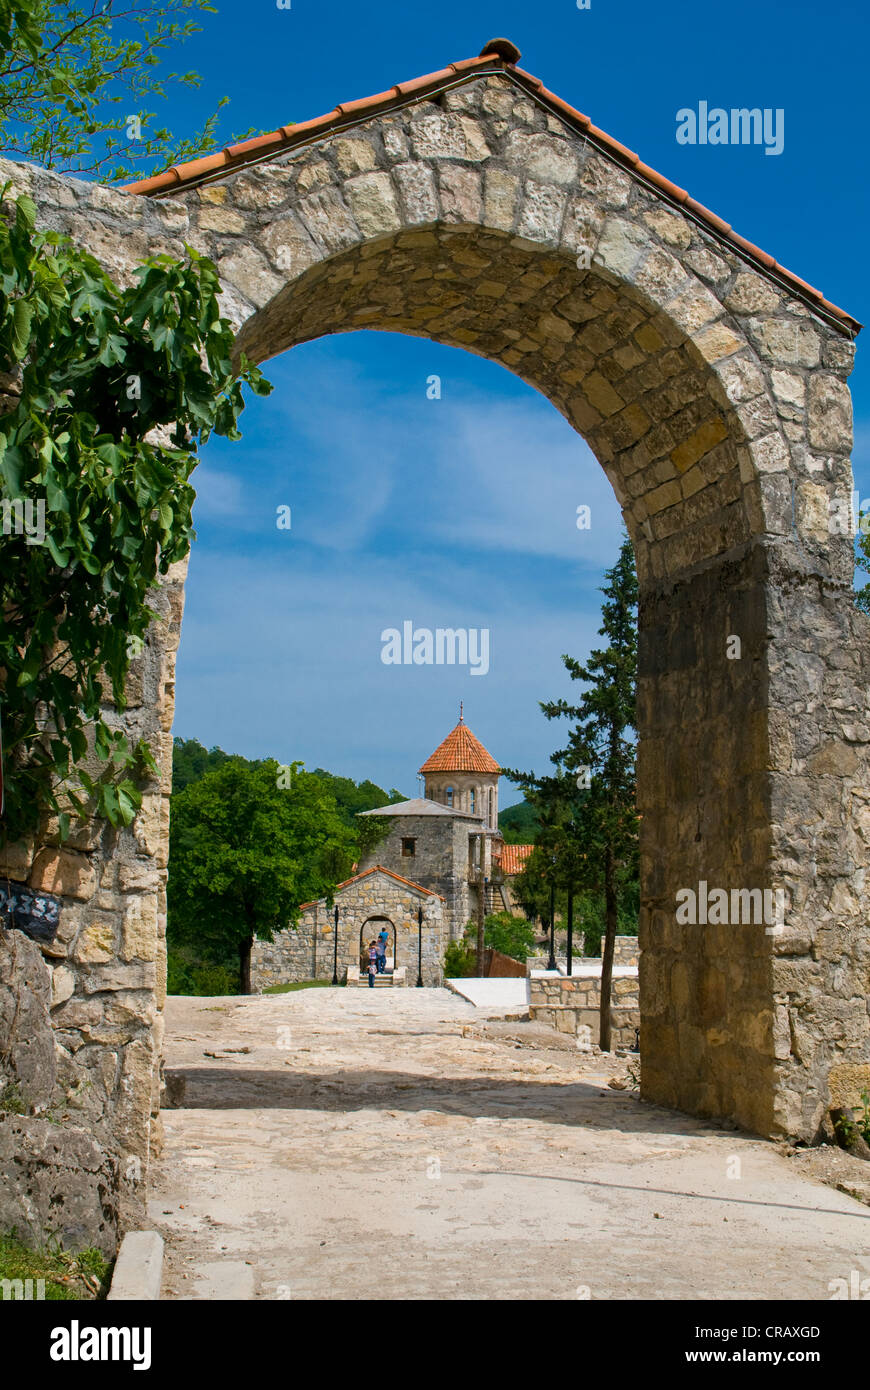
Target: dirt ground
[345,1144]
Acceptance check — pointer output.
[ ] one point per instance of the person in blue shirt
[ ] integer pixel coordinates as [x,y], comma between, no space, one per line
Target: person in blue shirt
[383,938]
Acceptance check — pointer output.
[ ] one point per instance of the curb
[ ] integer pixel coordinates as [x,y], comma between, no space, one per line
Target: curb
[139,1267]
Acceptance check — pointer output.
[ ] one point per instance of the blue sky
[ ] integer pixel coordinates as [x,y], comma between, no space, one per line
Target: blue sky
[461,511]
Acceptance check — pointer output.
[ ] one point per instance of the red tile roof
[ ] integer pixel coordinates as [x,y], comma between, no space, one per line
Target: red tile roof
[496,58]
[513,858]
[378,869]
[461,752]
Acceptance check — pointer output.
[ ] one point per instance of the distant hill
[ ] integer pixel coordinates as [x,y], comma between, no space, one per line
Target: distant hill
[519,824]
[352,797]
[191,761]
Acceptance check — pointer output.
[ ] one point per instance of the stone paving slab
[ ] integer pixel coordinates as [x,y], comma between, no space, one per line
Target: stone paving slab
[496,995]
[387,1144]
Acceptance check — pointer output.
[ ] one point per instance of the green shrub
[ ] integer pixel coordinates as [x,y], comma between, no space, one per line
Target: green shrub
[512,936]
[202,978]
[460,960]
[11,1100]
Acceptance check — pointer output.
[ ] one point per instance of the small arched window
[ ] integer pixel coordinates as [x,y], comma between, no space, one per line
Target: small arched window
[449,796]
[490,808]
[472,800]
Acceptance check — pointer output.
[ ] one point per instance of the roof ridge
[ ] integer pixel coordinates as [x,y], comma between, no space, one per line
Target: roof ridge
[376,868]
[349,114]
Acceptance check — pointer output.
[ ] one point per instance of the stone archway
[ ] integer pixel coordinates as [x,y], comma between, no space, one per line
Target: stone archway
[374,924]
[476,208]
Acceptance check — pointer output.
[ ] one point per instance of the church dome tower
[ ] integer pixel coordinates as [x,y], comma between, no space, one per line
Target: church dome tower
[463,776]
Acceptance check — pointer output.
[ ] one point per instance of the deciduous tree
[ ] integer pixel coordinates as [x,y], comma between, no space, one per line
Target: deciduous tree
[91,372]
[246,852]
[589,831]
[77,78]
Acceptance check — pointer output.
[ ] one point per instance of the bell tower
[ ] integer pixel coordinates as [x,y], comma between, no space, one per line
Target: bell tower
[463,776]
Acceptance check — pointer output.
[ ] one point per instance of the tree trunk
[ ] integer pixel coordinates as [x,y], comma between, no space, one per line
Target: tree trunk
[608,947]
[245,948]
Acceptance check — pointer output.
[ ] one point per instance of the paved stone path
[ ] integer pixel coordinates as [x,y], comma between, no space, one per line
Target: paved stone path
[344,1144]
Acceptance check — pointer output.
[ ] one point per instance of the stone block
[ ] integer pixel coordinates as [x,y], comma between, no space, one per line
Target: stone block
[460,188]
[63,873]
[288,245]
[16,860]
[95,944]
[354,156]
[373,203]
[786,340]
[543,208]
[56,1183]
[133,975]
[829,414]
[437,135]
[417,191]
[249,271]
[699,443]
[220,219]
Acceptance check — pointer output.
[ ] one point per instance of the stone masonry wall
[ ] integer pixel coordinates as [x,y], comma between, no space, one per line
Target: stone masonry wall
[291,956]
[439,864]
[573,1005]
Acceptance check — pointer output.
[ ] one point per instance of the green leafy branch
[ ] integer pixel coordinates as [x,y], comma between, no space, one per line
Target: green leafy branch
[109,394]
[72,74]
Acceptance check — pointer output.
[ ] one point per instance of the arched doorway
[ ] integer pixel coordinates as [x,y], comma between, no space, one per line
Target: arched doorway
[368,931]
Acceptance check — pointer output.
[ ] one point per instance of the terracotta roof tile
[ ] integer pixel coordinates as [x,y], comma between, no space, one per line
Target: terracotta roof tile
[513,858]
[719,223]
[491,60]
[461,752]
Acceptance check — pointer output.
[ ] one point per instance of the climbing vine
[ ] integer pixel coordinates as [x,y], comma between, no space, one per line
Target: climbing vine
[109,393]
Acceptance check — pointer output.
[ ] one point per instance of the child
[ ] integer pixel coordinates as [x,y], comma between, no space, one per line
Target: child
[373,963]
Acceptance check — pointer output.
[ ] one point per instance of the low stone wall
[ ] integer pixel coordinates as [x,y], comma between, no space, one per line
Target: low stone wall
[625,952]
[572,1004]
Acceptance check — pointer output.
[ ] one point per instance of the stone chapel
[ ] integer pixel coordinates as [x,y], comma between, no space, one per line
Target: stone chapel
[423,879]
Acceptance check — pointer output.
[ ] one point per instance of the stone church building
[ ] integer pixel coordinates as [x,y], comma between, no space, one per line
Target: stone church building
[423,878]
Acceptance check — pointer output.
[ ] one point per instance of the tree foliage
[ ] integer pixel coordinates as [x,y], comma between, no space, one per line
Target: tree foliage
[191,761]
[511,935]
[74,72]
[519,824]
[245,853]
[93,371]
[588,833]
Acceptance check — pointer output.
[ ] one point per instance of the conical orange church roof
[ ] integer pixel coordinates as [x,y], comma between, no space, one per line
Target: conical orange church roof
[461,752]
